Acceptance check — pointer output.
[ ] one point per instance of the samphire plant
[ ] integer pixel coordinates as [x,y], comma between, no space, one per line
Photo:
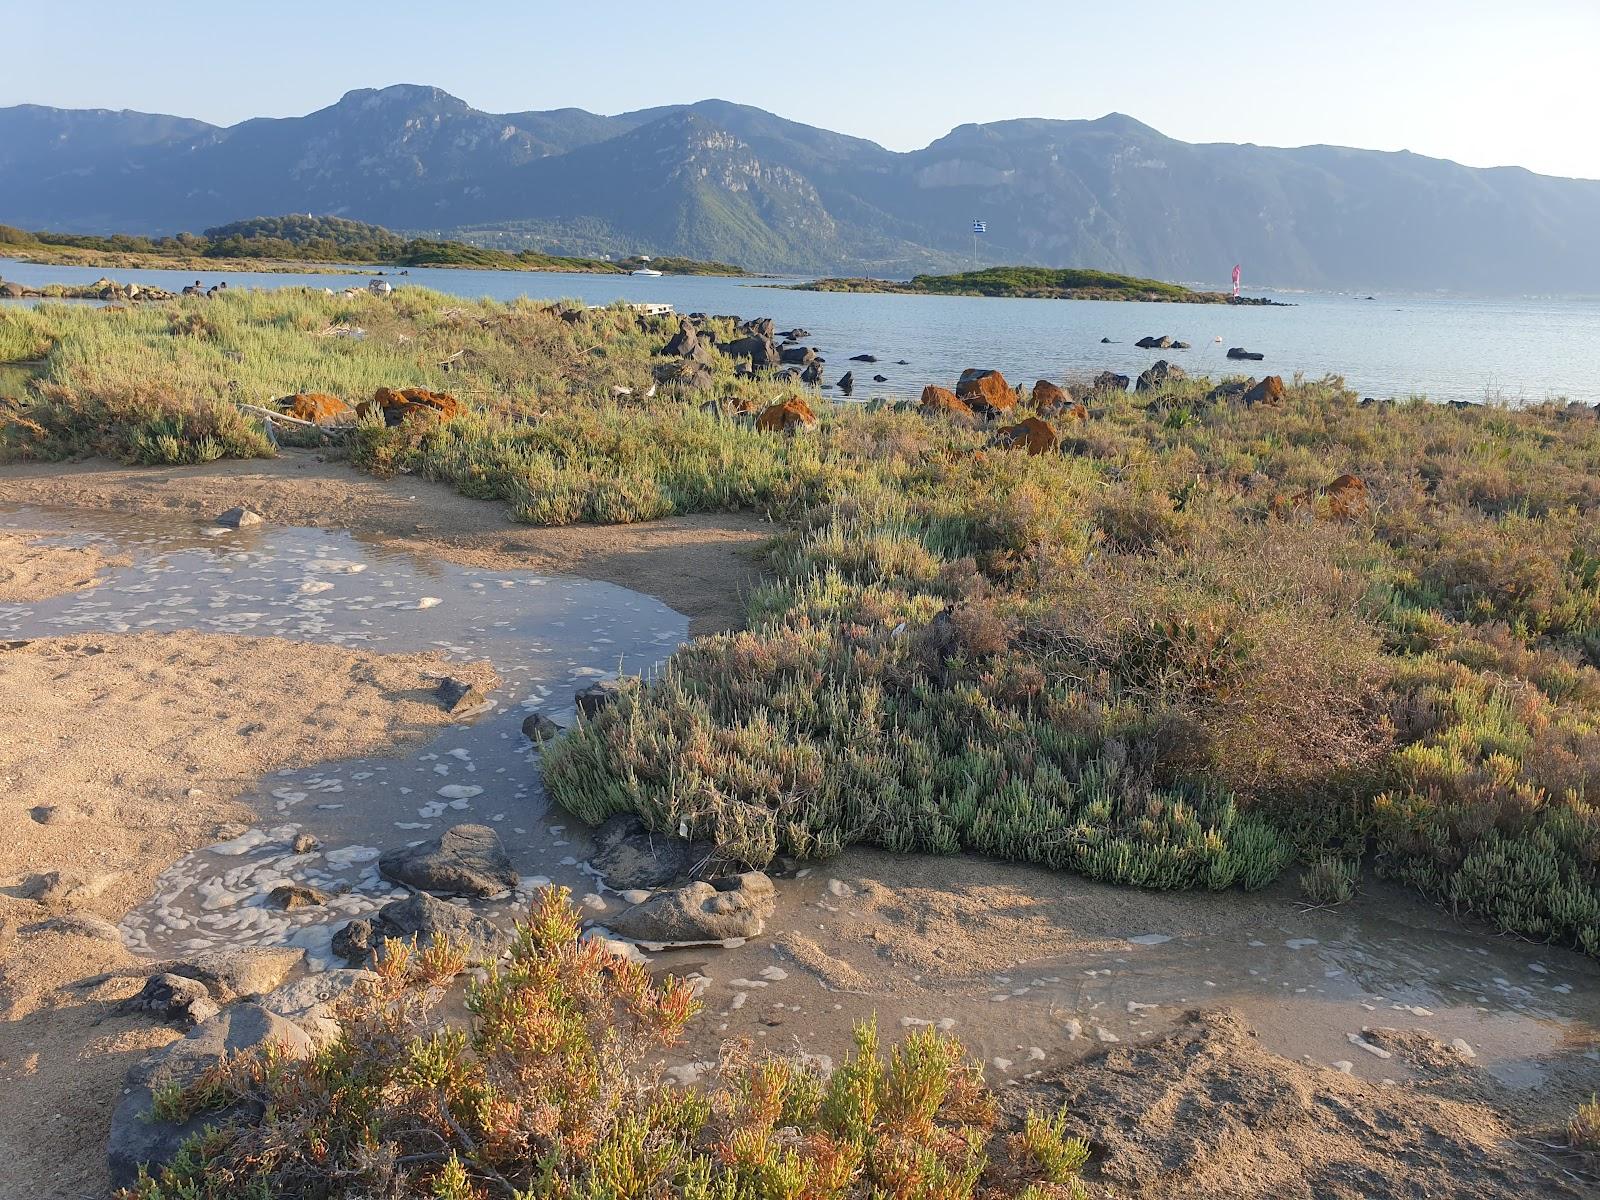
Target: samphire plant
[554,1092]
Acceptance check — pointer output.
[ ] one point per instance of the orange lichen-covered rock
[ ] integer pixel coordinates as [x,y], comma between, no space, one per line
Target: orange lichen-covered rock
[400,404]
[1268,391]
[937,400]
[1053,400]
[1032,434]
[314,406]
[1347,497]
[791,416]
[986,392]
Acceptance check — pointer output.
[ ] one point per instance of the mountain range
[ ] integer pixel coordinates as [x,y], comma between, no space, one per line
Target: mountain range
[716,180]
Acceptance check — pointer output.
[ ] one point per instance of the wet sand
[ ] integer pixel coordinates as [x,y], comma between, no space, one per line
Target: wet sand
[701,566]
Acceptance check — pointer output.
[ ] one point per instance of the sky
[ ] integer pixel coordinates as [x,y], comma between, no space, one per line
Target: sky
[1483,82]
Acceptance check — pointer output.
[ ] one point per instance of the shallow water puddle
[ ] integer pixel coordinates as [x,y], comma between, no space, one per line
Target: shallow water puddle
[547,637]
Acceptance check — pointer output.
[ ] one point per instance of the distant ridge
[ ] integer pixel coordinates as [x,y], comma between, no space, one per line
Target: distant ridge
[717,180]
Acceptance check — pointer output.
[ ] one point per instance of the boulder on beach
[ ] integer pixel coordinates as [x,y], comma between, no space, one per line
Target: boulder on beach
[789,416]
[759,350]
[798,356]
[812,374]
[683,343]
[1109,381]
[864,358]
[847,382]
[1239,352]
[1164,342]
[234,972]
[1032,434]
[937,400]
[736,907]
[1159,375]
[138,1137]
[239,517]
[466,860]
[12,291]
[986,392]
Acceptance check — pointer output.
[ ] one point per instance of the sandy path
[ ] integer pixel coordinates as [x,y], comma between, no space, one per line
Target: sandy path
[703,566]
[120,754]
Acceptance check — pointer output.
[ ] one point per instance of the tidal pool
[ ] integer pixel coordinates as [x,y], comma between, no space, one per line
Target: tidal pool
[547,637]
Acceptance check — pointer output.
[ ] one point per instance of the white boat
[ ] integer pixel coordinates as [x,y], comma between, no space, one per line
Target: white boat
[647,272]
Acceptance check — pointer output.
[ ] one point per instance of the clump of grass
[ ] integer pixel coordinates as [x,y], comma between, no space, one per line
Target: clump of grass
[1329,880]
[1583,1130]
[553,1092]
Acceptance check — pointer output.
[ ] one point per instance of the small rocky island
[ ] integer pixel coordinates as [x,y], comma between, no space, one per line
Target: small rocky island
[1038,283]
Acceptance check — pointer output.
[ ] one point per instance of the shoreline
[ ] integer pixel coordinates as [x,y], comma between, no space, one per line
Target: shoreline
[133,261]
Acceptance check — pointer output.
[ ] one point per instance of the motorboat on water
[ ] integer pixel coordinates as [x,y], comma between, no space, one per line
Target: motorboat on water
[647,272]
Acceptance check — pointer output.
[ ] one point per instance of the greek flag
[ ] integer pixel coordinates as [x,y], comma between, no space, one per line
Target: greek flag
[980,226]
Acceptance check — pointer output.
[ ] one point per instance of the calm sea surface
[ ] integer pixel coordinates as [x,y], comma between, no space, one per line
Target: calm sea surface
[1390,346]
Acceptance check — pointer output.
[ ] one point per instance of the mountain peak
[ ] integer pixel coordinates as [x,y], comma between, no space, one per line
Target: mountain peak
[401,95]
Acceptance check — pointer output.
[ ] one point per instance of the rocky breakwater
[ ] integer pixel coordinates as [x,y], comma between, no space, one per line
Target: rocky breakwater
[108,290]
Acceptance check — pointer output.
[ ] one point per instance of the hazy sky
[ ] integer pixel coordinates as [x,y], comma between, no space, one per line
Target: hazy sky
[1485,82]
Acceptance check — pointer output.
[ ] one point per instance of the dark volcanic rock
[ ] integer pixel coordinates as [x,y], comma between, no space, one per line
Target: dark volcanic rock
[170,997]
[537,727]
[424,918]
[1161,373]
[760,351]
[466,860]
[1239,352]
[847,382]
[630,856]
[597,695]
[458,697]
[1109,381]
[863,358]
